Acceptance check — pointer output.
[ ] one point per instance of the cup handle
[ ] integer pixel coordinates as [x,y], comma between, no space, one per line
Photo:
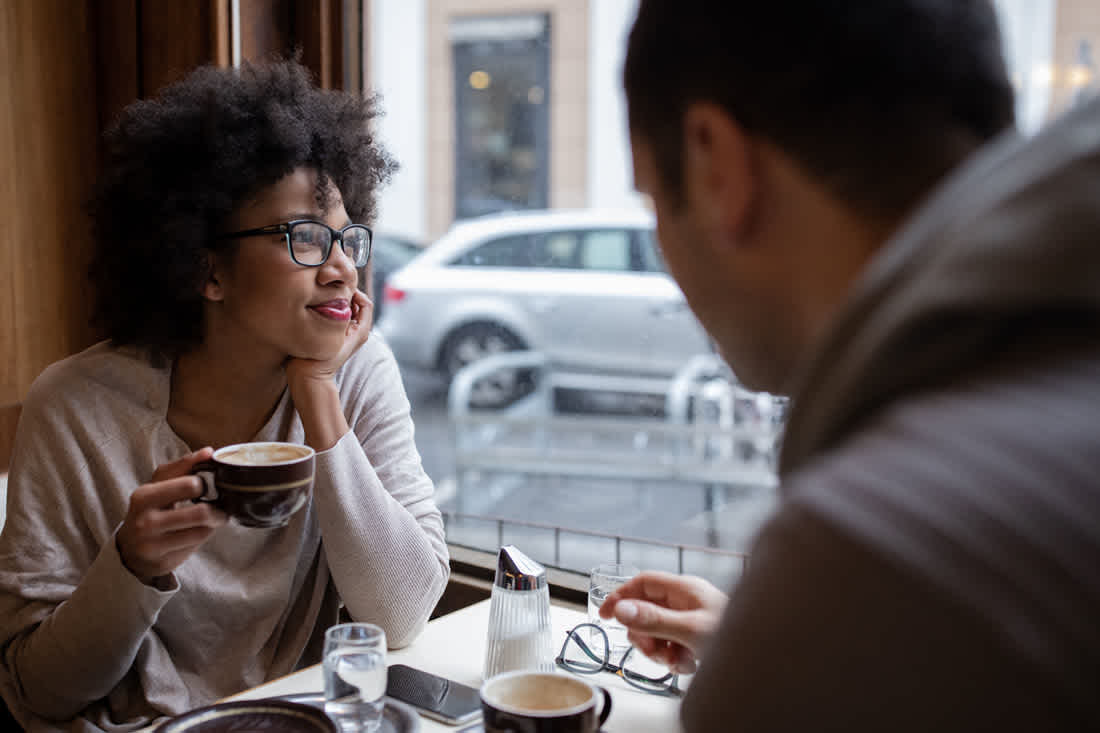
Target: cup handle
[210,494]
[605,711]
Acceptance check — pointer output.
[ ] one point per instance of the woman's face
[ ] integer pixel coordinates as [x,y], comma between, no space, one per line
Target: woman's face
[262,303]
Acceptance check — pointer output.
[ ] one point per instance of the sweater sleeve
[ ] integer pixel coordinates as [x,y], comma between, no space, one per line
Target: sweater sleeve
[381,530]
[86,644]
[72,617]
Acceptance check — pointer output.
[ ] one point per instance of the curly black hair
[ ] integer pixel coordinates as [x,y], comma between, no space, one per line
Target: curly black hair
[177,165]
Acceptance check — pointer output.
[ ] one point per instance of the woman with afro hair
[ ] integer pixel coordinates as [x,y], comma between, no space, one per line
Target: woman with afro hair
[229,226]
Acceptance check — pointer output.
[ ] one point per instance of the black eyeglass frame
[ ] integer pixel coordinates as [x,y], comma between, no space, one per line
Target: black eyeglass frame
[665,686]
[337,235]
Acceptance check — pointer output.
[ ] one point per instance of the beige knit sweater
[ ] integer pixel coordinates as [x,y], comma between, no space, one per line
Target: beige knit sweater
[85,645]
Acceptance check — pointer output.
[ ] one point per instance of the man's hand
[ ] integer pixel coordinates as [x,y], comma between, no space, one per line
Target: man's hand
[668,617]
[162,526]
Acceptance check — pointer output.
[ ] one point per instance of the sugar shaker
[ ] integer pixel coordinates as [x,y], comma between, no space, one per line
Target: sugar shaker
[519,634]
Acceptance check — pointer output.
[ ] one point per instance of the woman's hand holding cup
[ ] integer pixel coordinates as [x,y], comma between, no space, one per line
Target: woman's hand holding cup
[163,526]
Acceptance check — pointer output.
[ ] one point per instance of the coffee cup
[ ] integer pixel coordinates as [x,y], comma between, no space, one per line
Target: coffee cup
[259,484]
[526,701]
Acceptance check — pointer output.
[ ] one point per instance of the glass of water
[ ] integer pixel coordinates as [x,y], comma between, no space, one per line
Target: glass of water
[355,676]
[603,579]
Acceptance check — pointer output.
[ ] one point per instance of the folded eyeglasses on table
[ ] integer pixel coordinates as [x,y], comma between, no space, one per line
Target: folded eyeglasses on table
[594,656]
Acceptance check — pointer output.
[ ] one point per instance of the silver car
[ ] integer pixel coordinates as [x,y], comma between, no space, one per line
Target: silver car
[585,287]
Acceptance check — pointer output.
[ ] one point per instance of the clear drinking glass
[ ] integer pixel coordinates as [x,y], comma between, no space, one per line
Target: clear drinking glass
[602,580]
[355,676]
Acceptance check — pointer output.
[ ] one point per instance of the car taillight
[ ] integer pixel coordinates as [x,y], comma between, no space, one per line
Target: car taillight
[392,295]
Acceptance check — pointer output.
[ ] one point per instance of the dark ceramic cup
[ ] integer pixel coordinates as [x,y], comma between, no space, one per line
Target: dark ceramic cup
[542,702]
[259,484]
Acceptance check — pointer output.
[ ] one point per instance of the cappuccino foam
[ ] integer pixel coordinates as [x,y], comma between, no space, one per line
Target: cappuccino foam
[543,692]
[263,454]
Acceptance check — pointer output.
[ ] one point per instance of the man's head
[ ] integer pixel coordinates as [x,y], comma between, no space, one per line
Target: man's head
[784,141]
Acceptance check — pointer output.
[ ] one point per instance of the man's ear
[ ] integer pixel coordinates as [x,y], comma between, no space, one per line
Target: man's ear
[211,286]
[719,173]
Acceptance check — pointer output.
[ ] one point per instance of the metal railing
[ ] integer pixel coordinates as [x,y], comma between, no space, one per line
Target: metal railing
[683,447]
[503,523]
[712,434]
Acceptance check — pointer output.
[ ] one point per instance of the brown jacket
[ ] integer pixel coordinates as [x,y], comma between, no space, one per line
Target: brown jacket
[935,563]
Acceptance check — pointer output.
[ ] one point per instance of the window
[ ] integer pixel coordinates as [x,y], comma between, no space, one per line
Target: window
[512,251]
[511,107]
[608,249]
[648,253]
[501,76]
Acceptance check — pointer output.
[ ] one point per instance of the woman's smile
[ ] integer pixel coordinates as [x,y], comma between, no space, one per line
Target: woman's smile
[338,309]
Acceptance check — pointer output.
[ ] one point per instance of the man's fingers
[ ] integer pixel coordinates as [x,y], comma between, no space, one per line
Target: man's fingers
[665,589]
[675,656]
[649,618]
[682,661]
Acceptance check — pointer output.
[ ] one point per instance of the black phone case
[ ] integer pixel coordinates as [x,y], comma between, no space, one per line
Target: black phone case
[436,697]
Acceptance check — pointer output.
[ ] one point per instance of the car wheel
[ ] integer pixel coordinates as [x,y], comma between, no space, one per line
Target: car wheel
[476,341]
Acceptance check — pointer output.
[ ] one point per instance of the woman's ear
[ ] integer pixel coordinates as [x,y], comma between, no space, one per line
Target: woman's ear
[211,286]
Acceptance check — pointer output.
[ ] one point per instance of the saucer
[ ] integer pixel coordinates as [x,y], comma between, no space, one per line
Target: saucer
[269,714]
[397,717]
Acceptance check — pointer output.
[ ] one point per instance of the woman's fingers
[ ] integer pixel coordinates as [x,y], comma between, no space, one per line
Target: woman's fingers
[162,526]
[183,466]
[362,311]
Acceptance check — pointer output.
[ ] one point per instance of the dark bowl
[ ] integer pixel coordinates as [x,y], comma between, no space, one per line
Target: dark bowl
[251,715]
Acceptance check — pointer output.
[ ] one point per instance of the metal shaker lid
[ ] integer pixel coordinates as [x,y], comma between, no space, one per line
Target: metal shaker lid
[516,571]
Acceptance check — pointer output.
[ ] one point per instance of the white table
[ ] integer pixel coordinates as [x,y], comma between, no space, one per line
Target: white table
[453,646]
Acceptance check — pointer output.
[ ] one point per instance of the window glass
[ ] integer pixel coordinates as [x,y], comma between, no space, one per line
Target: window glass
[626,436]
[607,249]
[512,251]
[649,253]
[557,250]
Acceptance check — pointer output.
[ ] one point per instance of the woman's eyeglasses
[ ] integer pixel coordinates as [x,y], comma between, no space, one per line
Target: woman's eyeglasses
[310,242]
[594,656]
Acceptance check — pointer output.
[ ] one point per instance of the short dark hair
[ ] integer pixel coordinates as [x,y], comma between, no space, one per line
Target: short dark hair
[176,166]
[874,100]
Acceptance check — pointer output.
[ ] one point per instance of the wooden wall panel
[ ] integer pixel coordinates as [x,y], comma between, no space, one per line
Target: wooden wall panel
[118,68]
[318,25]
[9,418]
[48,131]
[267,28]
[175,37]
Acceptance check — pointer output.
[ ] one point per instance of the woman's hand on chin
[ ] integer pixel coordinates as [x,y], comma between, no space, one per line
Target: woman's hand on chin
[313,389]
[301,371]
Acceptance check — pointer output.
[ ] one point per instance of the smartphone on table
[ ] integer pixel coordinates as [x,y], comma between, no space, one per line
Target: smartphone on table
[437,697]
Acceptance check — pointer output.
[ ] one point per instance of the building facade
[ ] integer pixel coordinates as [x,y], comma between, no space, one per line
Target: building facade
[494,105]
